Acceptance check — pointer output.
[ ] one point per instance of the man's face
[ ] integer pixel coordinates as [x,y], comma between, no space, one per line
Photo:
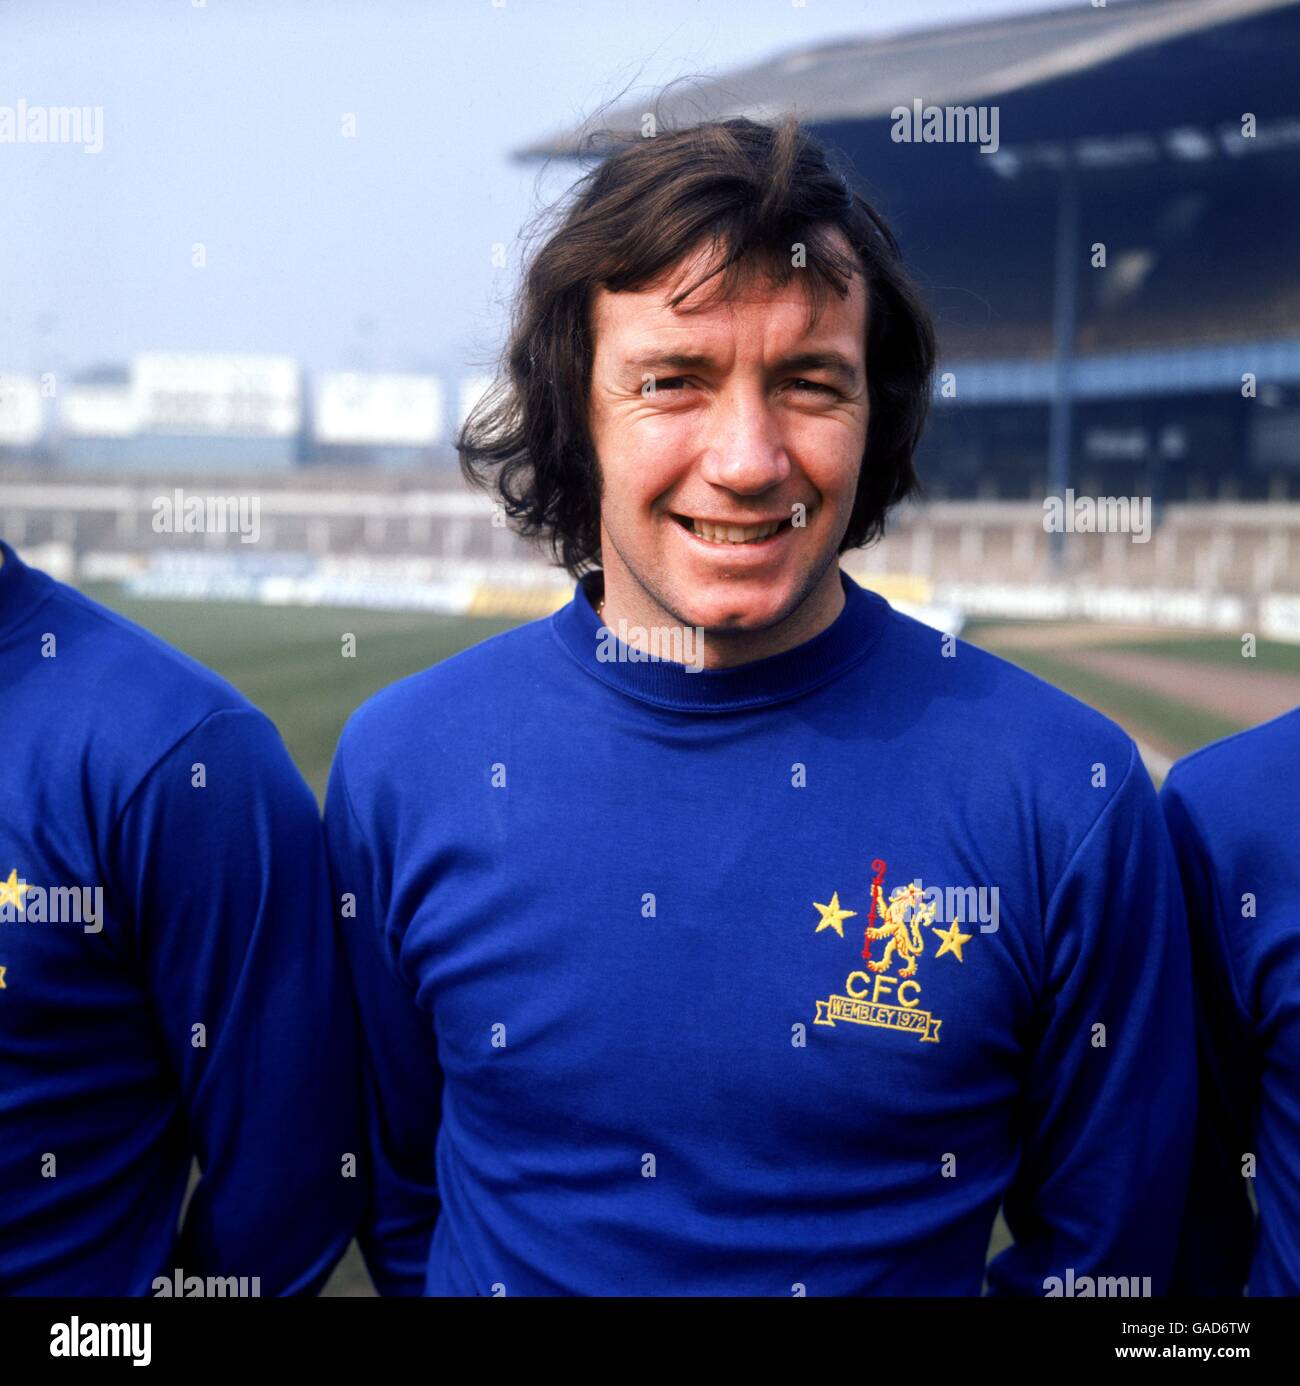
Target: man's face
[752,430]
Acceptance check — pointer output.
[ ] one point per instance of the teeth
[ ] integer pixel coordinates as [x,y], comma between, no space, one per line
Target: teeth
[733,534]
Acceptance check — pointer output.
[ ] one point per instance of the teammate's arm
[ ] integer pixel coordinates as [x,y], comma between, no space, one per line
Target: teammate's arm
[1109,1099]
[221,854]
[1218,1230]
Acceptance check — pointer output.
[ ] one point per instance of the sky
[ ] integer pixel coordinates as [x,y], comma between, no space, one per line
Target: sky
[325,179]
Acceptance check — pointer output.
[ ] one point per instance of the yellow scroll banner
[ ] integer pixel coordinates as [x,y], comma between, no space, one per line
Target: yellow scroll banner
[859,1012]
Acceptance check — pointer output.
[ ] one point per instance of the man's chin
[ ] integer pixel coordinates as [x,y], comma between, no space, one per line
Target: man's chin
[736,614]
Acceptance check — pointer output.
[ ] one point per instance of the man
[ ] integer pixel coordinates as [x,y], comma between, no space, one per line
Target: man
[778,976]
[170,989]
[1234,816]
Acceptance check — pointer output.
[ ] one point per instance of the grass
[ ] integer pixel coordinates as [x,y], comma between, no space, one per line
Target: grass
[1270,655]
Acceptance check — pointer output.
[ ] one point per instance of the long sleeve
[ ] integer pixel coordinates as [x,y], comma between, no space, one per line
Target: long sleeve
[402,1082]
[1218,1231]
[221,855]
[1109,1099]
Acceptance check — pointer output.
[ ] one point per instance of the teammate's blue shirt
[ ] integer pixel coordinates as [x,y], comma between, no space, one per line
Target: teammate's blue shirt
[606,922]
[1234,812]
[171,986]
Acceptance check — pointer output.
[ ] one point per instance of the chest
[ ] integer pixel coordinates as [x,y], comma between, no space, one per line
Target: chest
[713,947]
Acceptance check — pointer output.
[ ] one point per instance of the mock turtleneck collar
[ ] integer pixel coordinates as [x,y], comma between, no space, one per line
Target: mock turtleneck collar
[846,641]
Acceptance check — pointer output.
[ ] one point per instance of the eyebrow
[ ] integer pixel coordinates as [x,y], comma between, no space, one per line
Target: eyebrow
[833,363]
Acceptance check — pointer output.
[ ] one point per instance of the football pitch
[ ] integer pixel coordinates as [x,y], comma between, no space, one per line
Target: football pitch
[1172,691]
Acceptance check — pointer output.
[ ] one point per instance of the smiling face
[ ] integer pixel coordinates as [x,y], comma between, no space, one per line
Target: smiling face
[729,441]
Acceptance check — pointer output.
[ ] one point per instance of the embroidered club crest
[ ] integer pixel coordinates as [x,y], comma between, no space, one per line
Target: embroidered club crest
[901,921]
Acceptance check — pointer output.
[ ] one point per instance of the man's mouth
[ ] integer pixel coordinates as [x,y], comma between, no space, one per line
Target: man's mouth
[716,532]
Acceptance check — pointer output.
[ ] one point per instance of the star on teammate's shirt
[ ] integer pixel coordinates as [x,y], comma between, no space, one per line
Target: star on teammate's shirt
[832,916]
[2,980]
[12,891]
[952,941]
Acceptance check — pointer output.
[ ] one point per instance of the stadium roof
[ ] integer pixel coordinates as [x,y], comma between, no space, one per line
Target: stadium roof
[858,80]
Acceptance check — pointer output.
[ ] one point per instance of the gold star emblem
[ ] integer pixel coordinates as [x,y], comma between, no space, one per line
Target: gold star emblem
[952,941]
[2,980]
[832,916]
[12,891]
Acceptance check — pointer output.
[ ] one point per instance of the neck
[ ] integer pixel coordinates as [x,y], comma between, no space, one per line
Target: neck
[632,613]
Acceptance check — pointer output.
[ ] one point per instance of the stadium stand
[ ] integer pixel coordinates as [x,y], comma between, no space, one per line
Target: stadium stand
[1164,133]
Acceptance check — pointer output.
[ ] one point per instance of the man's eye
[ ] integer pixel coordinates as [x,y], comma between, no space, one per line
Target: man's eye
[814,385]
[672,382]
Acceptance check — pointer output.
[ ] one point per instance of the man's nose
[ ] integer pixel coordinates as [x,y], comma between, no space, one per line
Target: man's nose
[746,450]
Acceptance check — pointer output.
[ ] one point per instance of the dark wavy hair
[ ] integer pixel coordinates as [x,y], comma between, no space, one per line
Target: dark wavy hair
[750,192]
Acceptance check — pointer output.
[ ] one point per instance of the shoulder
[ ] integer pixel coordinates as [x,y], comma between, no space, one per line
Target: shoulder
[103,677]
[998,709]
[1035,774]
[1233,810]
[1235,803]
[99,691]
[433,708]
[1238,770]
[118,661]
